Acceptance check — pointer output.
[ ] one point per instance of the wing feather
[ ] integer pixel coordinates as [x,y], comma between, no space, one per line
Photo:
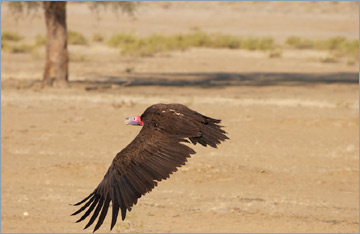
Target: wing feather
[102,214]
[115,210]
[136,183]
[85,199]
[85,206]
[90,209]
[125,192]
[96,213]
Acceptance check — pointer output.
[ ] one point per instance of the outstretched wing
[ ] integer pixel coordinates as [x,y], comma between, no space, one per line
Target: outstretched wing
[155,153]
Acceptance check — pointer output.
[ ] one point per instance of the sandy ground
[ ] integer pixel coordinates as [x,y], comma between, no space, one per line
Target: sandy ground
[291,164]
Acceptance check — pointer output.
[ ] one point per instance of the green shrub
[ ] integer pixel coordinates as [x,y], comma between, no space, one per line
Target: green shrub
[334,43]
[226,41]
[9,36]
[350,49]
[21,48]
[76,38]
[40,40]
[300,43]
[131,45]
[4,45]
[122,39]
[266,43]
[257,43]
[293,41]
[196,39]
[339,46]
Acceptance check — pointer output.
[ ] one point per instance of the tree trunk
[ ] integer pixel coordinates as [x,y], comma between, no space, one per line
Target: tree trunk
[56,65]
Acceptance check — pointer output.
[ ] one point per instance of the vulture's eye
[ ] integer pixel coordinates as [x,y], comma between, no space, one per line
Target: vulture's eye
[134,119]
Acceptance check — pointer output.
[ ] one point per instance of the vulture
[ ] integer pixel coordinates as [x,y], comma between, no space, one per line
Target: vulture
[155,153]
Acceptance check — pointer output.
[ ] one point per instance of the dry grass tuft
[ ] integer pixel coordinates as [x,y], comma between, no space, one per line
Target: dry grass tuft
[97,37]
[276,53]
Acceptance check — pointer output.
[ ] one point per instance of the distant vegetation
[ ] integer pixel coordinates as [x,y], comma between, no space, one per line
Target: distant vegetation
[13,43]
[339,46]
[40,40]
[97,37]
[9,36]
[147,46]
[76,38]
[129,44]
[20,48]
[275,53]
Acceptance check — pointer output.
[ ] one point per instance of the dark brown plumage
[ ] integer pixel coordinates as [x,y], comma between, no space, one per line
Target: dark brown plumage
[155,153]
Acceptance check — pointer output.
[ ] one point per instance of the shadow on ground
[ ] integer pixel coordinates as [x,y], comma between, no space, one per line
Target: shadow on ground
[208,80]
[203,80]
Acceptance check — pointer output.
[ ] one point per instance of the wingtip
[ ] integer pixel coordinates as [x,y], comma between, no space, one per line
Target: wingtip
[76,212]
[96,227]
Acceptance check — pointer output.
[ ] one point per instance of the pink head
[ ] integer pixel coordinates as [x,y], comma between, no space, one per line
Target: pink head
[136,120]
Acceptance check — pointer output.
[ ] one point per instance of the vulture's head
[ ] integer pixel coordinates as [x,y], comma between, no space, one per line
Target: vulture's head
[136,120]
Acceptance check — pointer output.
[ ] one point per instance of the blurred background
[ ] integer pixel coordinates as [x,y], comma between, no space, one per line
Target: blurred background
[282,76]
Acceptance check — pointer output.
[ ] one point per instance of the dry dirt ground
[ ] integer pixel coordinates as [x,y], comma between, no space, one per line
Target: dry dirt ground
[291,164]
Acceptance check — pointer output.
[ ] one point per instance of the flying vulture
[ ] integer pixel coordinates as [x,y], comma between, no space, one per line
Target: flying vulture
[155,153]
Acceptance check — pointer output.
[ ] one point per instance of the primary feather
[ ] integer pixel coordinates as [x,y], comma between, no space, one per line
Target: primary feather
[155,153]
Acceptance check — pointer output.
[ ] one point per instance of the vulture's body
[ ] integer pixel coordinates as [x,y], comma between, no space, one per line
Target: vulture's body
[156,152]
